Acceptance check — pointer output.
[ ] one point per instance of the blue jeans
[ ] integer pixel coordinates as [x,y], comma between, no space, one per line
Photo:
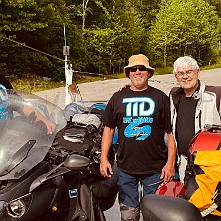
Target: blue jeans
[129,187]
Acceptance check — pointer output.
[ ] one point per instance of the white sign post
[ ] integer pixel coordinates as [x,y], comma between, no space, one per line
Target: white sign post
[68,76]
[68,72]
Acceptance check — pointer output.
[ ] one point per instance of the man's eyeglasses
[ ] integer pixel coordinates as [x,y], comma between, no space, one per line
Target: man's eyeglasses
[181,73]
[140,68]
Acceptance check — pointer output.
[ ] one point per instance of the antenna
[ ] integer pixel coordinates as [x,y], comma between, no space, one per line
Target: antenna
[64,36]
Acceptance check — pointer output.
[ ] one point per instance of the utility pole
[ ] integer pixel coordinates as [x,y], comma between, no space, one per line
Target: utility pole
[68,71]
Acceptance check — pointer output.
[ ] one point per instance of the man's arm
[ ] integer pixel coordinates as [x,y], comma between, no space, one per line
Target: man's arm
[169,169]
[105,166]
[28,109]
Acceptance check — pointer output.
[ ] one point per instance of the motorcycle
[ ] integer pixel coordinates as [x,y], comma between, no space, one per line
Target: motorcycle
[199,198]
[51,176]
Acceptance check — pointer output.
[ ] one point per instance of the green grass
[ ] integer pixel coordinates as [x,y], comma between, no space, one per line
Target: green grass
[35,86]
[213,66]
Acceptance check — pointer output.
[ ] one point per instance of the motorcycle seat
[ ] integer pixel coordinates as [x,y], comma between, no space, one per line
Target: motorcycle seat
[165,208]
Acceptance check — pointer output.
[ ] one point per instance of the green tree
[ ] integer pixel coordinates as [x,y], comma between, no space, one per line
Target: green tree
[17,15]
[112,41]
[39,24]
[184,27]
[217,4]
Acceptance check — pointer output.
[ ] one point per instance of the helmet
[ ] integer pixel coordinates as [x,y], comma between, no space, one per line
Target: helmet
[98,109]
[74,108]
[5,112]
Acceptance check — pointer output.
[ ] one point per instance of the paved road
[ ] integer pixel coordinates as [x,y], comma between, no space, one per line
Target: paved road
[102,90]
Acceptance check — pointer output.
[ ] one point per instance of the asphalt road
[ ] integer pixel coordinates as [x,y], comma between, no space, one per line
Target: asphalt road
[102,90]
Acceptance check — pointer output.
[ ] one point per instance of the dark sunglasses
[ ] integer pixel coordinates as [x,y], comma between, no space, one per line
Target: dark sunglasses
[140,68]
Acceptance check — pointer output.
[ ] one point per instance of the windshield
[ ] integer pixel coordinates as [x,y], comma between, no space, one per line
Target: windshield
[28,125]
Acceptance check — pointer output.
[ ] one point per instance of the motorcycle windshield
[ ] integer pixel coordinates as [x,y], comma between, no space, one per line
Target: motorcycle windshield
[28,125]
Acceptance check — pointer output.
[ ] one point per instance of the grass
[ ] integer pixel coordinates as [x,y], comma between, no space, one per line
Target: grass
[213,66]
[36,84]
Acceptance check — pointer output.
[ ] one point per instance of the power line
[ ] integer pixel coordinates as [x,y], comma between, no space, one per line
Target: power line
[55,57]
[34,49]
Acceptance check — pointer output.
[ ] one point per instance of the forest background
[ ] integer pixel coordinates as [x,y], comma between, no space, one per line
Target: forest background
[103,34]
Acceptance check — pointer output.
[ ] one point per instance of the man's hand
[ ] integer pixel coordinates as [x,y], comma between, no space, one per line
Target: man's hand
[105,168]
[121,88]
[50,126]
[167,173]
[34,116]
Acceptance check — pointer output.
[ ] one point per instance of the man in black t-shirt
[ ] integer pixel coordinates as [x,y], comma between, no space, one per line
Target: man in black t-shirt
[193,105]
[141,114]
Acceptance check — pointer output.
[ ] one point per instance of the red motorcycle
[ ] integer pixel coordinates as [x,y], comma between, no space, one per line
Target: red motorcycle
[199,198]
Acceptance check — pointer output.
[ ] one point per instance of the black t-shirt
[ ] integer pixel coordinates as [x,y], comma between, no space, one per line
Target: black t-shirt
[142,118]
[185,126]
[5,82]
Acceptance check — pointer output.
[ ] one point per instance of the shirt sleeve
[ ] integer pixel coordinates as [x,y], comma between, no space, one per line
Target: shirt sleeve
[108,116]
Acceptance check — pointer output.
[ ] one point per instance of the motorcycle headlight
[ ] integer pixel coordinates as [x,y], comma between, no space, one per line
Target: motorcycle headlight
[18,207]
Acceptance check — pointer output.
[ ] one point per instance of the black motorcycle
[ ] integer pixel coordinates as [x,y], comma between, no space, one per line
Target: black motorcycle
[50,176]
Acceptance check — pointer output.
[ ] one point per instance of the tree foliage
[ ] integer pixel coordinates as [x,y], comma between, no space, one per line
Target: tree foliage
[184,27]
[119,37]
[102,34]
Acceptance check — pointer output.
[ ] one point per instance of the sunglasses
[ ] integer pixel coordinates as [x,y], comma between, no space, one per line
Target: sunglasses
[140,68]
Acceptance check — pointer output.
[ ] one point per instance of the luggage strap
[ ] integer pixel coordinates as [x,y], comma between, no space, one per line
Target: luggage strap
[217,201]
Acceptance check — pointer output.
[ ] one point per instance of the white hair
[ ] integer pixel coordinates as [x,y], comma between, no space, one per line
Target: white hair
[184,62]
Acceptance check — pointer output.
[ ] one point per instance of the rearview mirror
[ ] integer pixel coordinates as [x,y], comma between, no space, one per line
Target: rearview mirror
[76,162]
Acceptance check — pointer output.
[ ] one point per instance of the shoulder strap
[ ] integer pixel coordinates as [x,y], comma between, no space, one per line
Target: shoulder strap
[217,91]
[175,94]
[174,89]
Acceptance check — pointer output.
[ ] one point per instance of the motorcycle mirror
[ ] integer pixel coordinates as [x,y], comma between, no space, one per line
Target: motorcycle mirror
[76,162]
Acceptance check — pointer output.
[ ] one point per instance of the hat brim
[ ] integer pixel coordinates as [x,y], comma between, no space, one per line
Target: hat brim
[127,68]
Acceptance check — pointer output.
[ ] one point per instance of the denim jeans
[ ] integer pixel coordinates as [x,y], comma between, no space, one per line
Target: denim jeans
[128,185]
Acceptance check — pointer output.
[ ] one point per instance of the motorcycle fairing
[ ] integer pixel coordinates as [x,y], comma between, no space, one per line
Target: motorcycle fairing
[73,162]
[35,155]
[207,139]
[55,172]
[18,188]
[16,159]
[16,132]
[40,200]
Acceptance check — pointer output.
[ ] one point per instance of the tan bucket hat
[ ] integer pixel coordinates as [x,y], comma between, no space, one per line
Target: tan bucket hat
[138,59]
